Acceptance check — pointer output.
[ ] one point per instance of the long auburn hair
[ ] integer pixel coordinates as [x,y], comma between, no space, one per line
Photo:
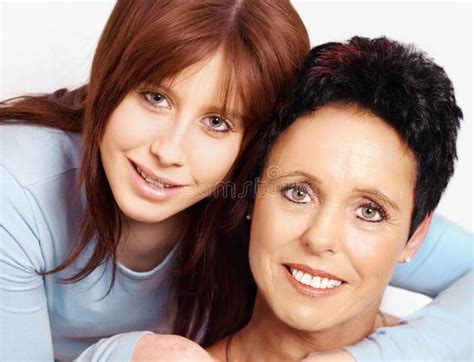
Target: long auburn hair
[263,42]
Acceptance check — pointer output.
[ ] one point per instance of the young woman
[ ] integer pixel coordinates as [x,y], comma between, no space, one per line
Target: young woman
[158,107]
[177,89]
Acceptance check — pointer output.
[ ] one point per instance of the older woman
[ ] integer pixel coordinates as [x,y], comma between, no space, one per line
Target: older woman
[349,176]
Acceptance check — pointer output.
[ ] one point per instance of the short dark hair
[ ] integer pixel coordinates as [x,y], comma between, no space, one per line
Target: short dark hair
[395,82]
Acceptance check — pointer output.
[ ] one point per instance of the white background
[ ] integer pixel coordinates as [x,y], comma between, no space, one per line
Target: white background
[47,45]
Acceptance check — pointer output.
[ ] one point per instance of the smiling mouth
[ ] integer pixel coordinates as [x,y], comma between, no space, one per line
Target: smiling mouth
[154,181]
[319,282]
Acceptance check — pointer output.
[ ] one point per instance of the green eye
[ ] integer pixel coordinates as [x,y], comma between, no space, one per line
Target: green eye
[298,195]
[369,212]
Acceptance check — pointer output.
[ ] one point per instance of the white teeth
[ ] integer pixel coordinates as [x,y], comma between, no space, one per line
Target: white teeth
[299,275]
[306,280]
[315,282]
[151,181]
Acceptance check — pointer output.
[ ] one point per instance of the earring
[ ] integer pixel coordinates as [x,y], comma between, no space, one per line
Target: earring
[407,260]
[248,217]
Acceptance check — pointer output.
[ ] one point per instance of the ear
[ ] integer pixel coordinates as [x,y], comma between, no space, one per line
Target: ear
[416,239]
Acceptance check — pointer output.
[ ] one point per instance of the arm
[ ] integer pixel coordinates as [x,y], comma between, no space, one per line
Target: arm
[443,329]
[145,346]
[445,256]
[24,329]
[116,348]
[169,348]
[440,331]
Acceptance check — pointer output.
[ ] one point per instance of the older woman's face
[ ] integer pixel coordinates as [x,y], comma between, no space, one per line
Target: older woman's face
[332,218]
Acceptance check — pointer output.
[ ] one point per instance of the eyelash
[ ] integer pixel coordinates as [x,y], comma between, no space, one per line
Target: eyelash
[223,120]
[298,187]
[380,209]
[145,94]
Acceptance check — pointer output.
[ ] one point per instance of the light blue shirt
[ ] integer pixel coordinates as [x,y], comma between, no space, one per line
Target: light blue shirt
[40,215]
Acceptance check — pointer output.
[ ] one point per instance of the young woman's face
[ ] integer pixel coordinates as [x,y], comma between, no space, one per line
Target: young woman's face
[332,220]
[164,149]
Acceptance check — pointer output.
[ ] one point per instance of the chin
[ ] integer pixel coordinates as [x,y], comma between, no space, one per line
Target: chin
[308,322]
[147,219]
[146,214]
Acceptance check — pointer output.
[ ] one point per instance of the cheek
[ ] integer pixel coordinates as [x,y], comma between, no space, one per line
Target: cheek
[271,239]
[128,126]
[211,159]
[374,254]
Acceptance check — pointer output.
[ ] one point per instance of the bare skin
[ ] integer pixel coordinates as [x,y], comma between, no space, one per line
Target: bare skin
[173,348]
[178,138]
[243,340]
[169,348]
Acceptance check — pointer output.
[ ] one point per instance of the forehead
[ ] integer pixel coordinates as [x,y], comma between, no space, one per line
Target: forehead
[209,70]
[346,144]
[208,80]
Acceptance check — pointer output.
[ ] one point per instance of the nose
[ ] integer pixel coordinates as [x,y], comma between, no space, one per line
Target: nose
[169,147]
[323,232]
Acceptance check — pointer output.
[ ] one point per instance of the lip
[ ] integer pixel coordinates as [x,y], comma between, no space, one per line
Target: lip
[307,289]
[314,272]
[151,192]
[161,180]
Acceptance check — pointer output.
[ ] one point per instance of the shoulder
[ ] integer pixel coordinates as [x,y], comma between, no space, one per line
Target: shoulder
[32,154]
[168,348]
[441,225]
[39,208]
[218,350]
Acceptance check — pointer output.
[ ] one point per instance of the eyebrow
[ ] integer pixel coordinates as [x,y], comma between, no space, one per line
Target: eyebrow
[304,174]
[380,196]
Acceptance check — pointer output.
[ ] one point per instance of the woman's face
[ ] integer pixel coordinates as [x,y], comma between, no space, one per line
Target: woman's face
[165,148]
[332,219]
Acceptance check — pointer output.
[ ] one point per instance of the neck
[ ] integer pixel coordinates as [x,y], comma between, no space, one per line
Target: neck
[268,338]
[143,246]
